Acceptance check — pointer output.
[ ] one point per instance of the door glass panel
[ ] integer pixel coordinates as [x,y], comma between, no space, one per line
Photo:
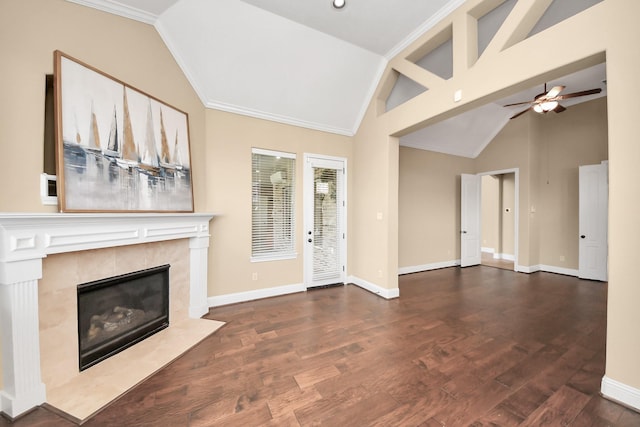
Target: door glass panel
[326,228]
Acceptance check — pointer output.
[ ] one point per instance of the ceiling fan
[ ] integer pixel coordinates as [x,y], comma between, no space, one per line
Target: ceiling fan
[548,101]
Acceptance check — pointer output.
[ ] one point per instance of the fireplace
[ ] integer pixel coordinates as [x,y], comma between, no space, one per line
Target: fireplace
[43,257]
[118,312]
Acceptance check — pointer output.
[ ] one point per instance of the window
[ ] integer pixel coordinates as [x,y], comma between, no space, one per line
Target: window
[273,205]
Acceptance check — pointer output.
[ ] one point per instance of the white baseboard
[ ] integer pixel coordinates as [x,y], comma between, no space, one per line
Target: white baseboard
[375,289]
[547,269]
[527,268]
[253,295]
[619,392]
[508,257]
[559,270]
[487,250]
[427,267]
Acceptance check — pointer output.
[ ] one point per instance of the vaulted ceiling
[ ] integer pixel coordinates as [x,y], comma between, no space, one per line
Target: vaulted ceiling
[307,64]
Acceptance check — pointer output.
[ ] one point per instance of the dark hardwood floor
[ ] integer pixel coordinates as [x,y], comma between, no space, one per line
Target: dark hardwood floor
[478,346]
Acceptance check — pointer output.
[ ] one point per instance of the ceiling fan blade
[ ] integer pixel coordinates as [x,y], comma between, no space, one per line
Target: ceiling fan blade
[555,91]
[582,93]
[520,113]
[559,109]
[519,103]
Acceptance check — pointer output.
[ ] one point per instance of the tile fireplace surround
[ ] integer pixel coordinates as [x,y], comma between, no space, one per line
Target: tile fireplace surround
[26,348]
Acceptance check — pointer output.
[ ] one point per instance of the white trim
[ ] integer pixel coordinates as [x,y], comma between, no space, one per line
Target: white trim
[274,257]
[622,393]
[558,270]
[527,269]
[234,298]
[426,26]
[286,155]
[375,289]
[119,9]
[427,267]
[487,250]
[265,115]
[508,257]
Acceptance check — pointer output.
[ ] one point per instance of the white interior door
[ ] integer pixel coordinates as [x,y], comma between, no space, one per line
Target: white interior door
[470,220]
[325,221]
[593,205]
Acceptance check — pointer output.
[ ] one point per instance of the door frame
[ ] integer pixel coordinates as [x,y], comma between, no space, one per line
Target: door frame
[516,211]
[307,201]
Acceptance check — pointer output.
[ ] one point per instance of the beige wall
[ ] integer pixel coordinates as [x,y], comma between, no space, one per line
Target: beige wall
[429,206]
[510,149]
[510,63]
[30,31]
[230,138]
[133,52]
[576,137]
[547,150]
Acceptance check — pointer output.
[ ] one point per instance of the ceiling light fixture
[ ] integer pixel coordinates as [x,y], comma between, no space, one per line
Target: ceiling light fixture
[545,107]
[339,4]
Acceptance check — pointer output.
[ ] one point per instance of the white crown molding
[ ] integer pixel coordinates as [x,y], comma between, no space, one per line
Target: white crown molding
[231,108]
[426,26]
[276,118]
[119,9]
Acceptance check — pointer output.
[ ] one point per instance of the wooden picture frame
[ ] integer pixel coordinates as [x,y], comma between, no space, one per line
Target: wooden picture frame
[117,148]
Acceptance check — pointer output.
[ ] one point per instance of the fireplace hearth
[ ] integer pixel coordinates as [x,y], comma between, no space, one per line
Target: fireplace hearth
[118,312]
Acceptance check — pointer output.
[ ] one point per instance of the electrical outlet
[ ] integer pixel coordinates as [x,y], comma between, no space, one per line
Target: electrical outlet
[561,258]
[254,276]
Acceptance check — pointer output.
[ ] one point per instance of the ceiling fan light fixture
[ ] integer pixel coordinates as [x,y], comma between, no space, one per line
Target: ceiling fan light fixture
[538,108]
[339,4]
[549,106]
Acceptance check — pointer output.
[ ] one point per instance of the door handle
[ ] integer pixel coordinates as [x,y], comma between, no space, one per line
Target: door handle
[463,232]
[582,236]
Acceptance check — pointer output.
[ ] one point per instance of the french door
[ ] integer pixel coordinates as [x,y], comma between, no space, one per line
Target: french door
[324,220]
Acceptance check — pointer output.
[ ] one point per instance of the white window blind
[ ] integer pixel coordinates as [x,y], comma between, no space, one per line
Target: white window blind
[273,205]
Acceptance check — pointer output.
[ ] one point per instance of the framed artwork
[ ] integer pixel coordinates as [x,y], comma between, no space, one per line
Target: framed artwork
[117,148]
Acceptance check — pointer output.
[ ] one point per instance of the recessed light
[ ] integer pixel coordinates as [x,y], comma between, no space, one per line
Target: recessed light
[338,4]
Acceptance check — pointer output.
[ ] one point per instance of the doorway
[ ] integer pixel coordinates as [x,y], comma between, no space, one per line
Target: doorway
[489,219]
[324,220]
[497,220]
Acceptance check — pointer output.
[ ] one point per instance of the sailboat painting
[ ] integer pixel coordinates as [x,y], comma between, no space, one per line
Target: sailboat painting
[118,149]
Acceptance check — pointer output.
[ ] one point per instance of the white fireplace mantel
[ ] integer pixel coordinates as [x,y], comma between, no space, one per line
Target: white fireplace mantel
[27,238]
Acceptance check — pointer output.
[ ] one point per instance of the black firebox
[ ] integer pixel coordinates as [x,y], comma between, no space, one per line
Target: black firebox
[118,312]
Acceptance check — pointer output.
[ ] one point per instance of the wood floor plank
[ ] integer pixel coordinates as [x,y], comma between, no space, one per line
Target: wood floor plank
[475,346]
[560,409]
